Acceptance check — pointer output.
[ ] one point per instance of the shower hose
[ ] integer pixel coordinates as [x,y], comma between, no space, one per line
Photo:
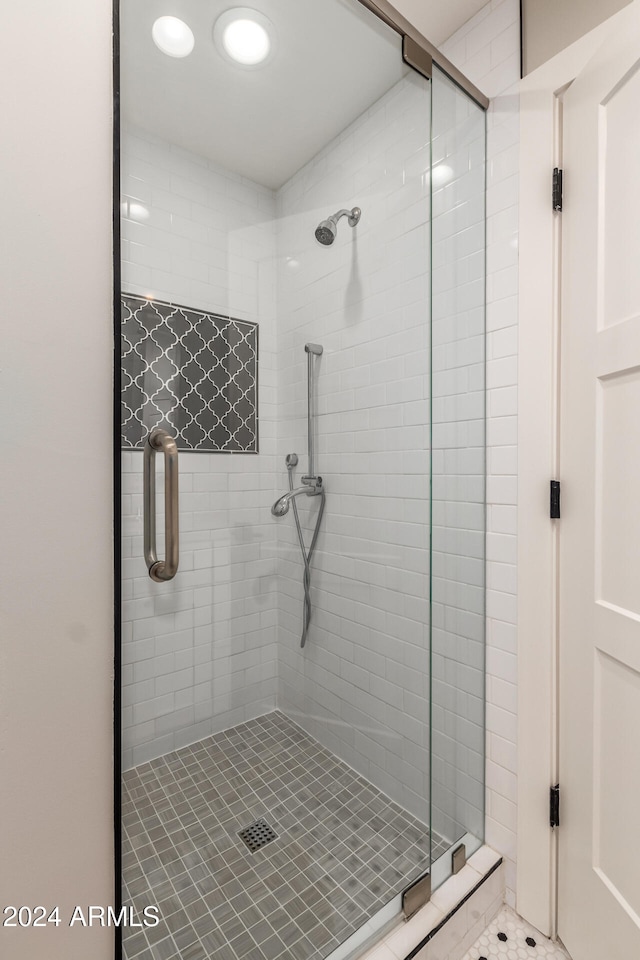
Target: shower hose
[306,559]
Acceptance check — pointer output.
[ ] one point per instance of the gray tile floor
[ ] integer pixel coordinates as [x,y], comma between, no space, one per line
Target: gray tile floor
[343,849]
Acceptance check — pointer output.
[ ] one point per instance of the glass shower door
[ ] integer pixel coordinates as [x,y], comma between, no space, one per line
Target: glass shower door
[458,399]
[278,795]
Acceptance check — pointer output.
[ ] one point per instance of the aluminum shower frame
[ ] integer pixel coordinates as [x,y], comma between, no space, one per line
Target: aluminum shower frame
[418,53]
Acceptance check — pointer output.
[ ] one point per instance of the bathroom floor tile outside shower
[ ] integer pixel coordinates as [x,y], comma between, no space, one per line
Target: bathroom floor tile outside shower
[509,937]
[343,849]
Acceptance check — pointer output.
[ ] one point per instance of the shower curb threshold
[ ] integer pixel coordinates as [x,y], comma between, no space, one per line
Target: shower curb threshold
[458,912]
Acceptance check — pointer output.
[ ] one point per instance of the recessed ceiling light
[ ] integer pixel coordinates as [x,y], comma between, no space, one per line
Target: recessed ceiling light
[246,41]
[244,36]
[173,37]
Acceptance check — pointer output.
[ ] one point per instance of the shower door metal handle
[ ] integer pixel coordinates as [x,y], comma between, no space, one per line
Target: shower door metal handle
[160,441]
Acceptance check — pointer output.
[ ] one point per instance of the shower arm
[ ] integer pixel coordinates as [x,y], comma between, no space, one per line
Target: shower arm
[353,216]
[311,479]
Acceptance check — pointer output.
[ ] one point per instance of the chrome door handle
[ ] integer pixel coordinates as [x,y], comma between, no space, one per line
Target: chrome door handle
[161,570]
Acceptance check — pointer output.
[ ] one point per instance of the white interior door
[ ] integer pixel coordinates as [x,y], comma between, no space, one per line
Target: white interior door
[599,863]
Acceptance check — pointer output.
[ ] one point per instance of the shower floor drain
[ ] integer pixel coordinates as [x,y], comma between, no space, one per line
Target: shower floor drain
[257,835]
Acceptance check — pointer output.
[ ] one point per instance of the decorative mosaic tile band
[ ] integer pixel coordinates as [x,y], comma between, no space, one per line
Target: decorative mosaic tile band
[193,373]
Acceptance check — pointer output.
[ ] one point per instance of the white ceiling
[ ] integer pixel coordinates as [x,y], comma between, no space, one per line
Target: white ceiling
[332,60]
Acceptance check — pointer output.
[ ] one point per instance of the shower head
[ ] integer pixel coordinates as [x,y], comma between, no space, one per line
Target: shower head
[327,229]
[326,232]
[282,504]
[280,507]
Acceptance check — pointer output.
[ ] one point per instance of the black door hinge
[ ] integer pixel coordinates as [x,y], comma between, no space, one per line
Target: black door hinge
[557,190]
[554,806]
[554,500]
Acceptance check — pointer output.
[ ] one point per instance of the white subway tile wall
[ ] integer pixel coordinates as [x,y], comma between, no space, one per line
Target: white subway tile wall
[487,50]
[200,652]
[361,684]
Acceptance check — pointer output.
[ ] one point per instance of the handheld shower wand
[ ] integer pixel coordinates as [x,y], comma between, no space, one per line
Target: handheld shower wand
[281,506]
[290,498]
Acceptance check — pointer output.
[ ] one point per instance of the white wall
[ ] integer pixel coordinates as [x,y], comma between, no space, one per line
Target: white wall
[361,684]
[199,652]
[56,654]
[486,50]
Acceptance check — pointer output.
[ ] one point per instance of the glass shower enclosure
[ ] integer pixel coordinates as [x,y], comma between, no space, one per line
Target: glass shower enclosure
[302,649]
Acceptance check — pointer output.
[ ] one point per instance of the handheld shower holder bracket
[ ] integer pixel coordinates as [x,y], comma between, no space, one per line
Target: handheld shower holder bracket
[315,484]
